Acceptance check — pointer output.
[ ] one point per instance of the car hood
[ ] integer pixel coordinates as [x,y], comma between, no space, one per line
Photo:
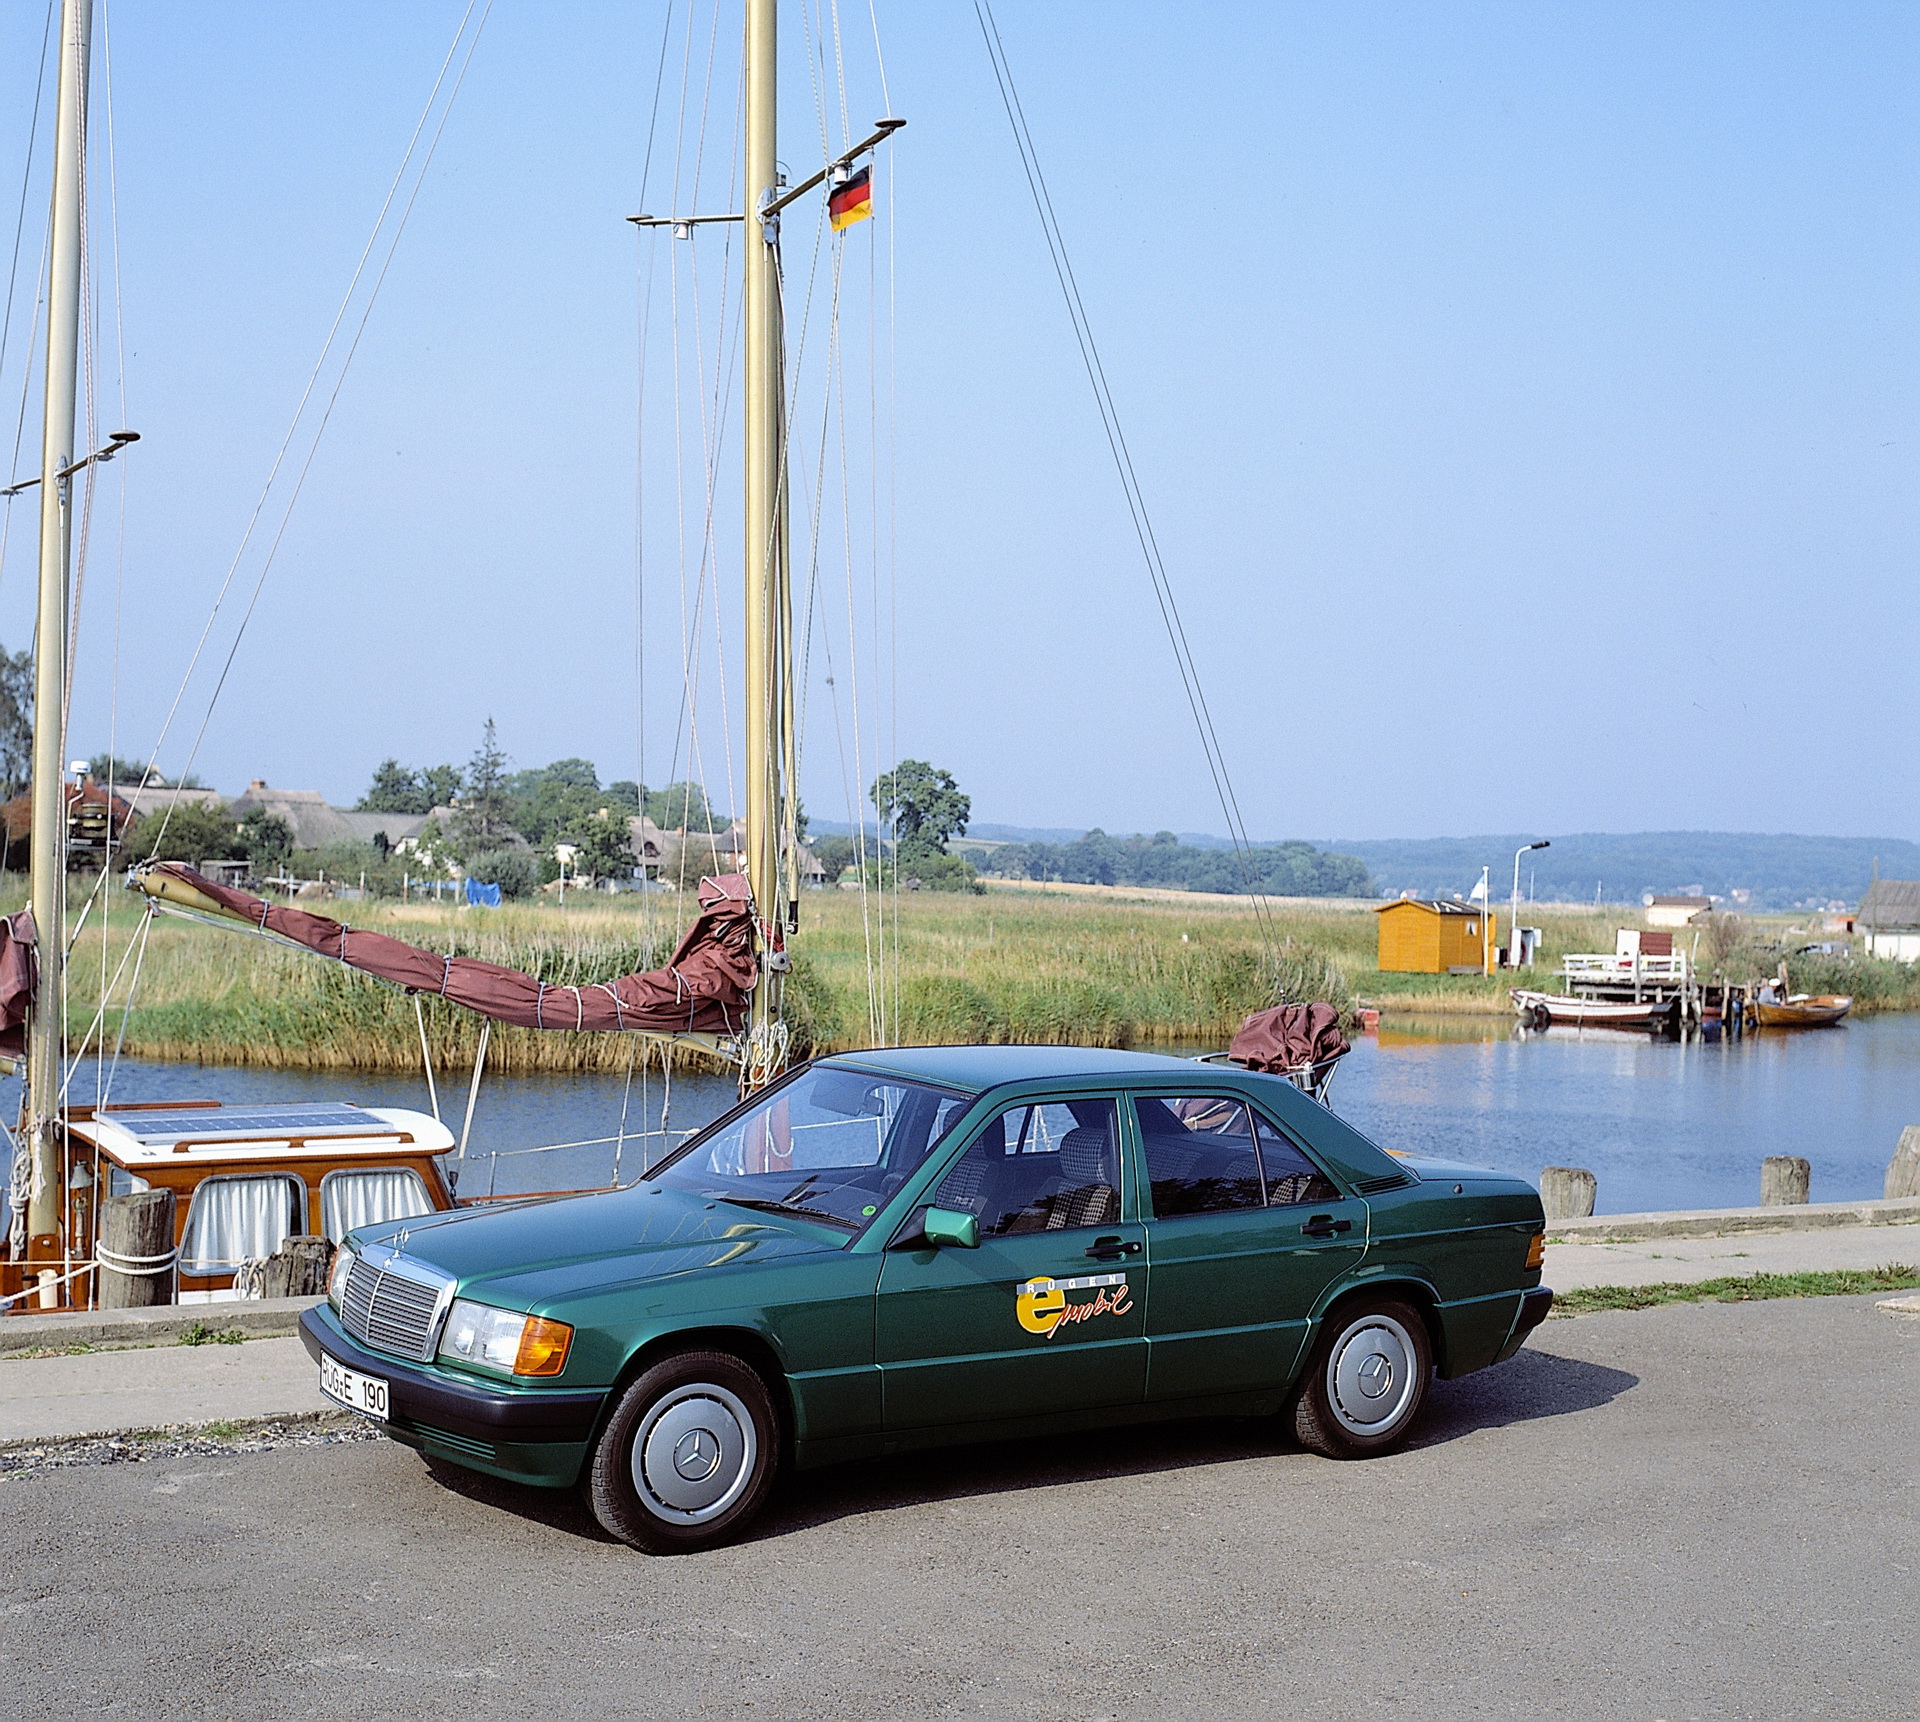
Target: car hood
[524,1254]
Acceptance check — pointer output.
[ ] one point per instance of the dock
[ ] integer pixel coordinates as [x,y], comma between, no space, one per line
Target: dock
[1666,980]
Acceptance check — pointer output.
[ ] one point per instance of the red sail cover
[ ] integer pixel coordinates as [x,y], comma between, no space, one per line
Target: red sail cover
[703,989]
[19,975]
[1287,1037]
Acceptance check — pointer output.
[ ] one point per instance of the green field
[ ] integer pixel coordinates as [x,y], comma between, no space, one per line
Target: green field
[1082,966]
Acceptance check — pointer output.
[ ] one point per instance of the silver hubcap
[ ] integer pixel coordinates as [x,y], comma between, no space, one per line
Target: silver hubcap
[1372,1375]
[694,1453]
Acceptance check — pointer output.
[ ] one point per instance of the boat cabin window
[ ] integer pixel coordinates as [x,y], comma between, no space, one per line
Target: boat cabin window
[121,1182]
[240,1219]
[363,1198]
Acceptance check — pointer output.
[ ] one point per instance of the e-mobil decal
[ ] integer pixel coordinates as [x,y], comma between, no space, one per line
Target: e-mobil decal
[1044,1307]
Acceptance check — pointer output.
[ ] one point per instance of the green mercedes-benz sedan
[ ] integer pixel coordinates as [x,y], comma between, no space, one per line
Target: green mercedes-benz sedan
[888,1250]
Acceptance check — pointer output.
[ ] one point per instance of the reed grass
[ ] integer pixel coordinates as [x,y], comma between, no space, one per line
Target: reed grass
[1060,968]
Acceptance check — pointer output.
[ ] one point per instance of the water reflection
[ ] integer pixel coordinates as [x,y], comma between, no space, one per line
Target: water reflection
[1662,1124]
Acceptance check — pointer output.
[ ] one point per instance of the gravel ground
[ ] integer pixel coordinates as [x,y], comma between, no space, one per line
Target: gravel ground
[212,1441]
[1698,1511]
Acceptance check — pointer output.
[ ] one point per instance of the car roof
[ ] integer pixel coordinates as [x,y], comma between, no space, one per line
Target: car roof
[977,1068]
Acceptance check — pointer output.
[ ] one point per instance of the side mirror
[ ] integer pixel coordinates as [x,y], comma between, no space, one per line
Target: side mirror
[944,1226]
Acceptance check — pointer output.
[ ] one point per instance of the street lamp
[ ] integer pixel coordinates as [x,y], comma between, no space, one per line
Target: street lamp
[1513,926]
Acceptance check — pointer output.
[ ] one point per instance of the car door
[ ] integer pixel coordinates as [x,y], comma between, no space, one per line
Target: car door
[1048,1313]
[1245,1234]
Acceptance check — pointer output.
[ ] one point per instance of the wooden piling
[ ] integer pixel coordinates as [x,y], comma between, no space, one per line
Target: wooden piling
[136,1232]
[1903,1170]
[298,1268]
[1567,1192]
[1786,1181]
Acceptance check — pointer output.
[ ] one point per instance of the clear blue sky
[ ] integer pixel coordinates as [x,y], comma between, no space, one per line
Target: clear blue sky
[1526,395]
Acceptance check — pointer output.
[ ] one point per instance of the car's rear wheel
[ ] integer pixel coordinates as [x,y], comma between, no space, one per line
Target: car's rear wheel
[687,1458]
[1366,1381]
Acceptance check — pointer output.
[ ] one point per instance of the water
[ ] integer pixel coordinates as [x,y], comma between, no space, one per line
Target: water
[1660,1124]
[515,1119]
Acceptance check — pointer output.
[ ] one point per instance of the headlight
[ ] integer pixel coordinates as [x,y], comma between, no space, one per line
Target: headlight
[504,1341]
[343,1260]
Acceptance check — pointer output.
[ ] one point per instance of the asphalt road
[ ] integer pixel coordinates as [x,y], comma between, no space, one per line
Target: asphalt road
[1696,1511]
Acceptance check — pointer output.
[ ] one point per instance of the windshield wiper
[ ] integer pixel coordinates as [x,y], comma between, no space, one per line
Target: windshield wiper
[800,1208]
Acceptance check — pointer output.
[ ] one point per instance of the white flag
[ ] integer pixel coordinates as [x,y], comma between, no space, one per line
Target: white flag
[1479,893]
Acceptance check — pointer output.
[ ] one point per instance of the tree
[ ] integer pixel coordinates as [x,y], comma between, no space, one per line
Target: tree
[440,786]
[514,870]
[16,720]
[835,855]
[265,838]
[195,832]
[485,810]
[923,805]
[601,846]
[553,798]
[684,807]
[398,788]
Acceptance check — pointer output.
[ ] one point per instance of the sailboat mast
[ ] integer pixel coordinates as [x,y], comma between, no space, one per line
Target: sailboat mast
[49,860]
[765,637]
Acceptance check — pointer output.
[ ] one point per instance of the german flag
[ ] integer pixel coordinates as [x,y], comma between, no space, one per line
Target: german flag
[851,201]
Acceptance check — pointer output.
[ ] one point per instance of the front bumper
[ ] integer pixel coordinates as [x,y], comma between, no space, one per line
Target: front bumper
[1533,1311]
[527,1434]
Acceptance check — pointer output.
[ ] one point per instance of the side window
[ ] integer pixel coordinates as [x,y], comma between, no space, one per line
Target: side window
[1200,1155]
[1291,1176]
[362,1198]
[235,1220]
[1039,1169]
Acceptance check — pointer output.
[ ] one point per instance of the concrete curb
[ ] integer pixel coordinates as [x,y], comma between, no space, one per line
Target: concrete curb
[257,1318]
[1727,1222]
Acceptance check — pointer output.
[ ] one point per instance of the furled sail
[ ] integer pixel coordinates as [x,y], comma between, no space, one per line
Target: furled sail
[704,989]
[19,974]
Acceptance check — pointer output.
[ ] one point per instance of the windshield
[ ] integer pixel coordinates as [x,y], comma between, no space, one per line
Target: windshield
[830,1145]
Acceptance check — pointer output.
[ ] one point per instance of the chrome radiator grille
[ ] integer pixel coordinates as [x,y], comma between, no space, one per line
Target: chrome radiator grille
[394,1304]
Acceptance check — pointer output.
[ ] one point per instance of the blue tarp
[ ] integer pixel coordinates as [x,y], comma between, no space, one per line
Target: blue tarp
[481,896]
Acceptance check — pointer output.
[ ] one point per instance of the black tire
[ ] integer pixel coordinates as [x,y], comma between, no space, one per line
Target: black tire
[1366,1380]
[688,1456]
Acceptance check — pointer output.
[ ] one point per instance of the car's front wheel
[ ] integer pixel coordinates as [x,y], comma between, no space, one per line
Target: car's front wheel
[1366,1381]
[688,1456]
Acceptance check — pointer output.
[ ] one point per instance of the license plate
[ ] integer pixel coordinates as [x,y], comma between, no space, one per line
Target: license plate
[364,1393]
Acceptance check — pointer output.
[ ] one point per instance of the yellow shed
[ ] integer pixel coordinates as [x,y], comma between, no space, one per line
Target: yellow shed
[1435,938]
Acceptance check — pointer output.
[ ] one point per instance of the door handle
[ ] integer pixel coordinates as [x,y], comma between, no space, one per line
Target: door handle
[1107,1248]
[1325,1225]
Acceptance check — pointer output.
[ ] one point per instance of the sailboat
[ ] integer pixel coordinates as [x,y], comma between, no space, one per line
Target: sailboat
[245,1179]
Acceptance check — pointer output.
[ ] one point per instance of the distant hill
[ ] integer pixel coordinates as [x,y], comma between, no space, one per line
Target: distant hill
[1774,871]
[1781,871]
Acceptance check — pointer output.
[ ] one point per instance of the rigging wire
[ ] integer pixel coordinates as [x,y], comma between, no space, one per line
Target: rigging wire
[313,380]
[642,346]
[1123,464]
[120,524]
[13,280]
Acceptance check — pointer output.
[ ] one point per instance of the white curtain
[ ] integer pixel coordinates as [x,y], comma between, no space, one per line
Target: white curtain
[349,1199]
[235,1220]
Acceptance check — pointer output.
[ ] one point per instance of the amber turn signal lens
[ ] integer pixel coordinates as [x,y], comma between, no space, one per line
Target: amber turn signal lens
[1536,1258]
[543,1347]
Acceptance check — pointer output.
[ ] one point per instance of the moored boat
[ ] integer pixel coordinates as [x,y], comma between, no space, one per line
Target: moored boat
[1543,1008]
[1804,1010]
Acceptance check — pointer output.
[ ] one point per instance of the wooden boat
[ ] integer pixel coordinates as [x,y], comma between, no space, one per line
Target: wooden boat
[1805,1010]
[245,1178]
[1543,1008]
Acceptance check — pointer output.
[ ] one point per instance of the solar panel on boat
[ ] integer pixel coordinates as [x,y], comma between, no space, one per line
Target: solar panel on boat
[295,1119]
